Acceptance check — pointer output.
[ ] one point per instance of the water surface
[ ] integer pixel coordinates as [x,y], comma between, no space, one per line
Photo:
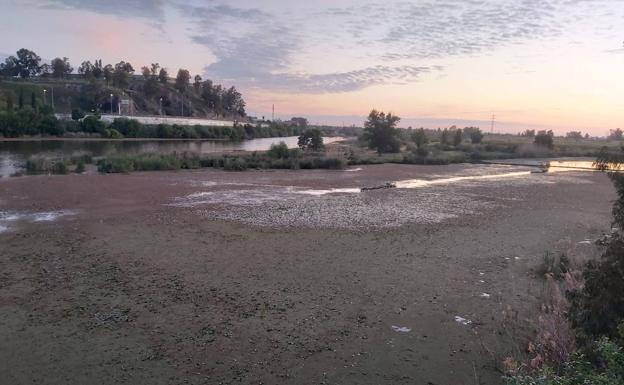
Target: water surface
[13,154]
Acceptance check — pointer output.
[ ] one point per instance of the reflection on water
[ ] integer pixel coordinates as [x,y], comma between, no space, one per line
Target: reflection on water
[575,165]
[416,183]
[13,154]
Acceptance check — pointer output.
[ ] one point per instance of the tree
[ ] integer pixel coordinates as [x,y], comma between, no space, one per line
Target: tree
[419,137]
[163,76]
[146,72]
[544,139]
[574,135]
[182,80]
[311,139]
[86,69]
[154,69]
[20,99]
[444,137]
[457,139]
[616,134]
[381,133]
[25,64]
[10,67]
[528,133]
[61,67]
[33,101]
[197,83]
[121,74]
[98,70]
[28,63]
[107,72]
[299,122]
[233,102]
[476,136]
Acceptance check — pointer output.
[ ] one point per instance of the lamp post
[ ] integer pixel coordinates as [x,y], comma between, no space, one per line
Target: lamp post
[111,103]
[160,106]
[44,96]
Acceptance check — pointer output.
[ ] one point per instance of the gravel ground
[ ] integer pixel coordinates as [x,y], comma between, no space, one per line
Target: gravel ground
[211,277]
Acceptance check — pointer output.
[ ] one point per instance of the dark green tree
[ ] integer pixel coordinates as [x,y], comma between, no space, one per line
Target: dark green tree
[544,139]
[380,132]
[457,138]
[33,101]
[163,76]
[311,139]
[20,99]
[182,80]
[61,67]
[419,137]
[476,136]
[121,74]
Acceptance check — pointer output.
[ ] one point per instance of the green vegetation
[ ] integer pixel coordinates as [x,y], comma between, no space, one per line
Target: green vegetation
[311,139]
[380,132]
[99,87]
[277,159]
[595,312]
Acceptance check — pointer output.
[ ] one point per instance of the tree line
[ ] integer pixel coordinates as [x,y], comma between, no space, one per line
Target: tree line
[153,82]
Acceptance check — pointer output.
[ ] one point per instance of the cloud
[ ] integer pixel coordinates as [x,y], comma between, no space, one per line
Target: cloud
[260,55]
[152,10]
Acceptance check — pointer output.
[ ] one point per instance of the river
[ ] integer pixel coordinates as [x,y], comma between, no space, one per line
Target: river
[13,154]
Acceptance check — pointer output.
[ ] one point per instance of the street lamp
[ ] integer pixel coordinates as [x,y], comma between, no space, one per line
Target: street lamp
[160,106]
[44,96]
[111,95]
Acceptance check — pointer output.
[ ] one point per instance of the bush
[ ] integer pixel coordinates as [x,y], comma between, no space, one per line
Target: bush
[80,167]
[580,371]
[234,164]
[279,151]
[77,114]
[553,266]
[40,165]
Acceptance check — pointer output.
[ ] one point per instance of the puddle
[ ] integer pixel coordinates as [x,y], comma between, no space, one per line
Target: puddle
[401,329]
[7,218]
[485,295]
[329,191]
[462,320]
[353,169]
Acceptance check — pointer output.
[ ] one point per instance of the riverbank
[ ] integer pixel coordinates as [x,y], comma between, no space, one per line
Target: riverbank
[279,276]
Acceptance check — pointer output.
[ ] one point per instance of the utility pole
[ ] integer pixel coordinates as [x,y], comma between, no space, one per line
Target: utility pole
[273,113]
[52,96]
[492,124]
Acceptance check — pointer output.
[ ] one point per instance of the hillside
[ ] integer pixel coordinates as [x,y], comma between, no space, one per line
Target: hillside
[94,87]
[75,93]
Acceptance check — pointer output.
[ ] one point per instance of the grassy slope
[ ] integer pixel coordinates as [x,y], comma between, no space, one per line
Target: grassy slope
[67,94]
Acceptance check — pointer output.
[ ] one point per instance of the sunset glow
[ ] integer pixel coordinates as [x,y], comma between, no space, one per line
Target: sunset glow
[532,64]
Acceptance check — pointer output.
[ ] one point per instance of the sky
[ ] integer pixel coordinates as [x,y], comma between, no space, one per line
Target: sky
[550,64]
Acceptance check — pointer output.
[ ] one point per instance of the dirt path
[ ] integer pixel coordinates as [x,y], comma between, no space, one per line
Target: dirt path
[126,288]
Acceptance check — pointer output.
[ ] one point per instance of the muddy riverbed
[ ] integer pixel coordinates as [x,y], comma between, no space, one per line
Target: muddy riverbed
[280,277]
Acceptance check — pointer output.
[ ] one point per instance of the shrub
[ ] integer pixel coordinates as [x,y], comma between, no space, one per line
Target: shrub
[80,167]
[311,139]
[42,165]
[77,114]
[234,164]
[553,266]
[279,151]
